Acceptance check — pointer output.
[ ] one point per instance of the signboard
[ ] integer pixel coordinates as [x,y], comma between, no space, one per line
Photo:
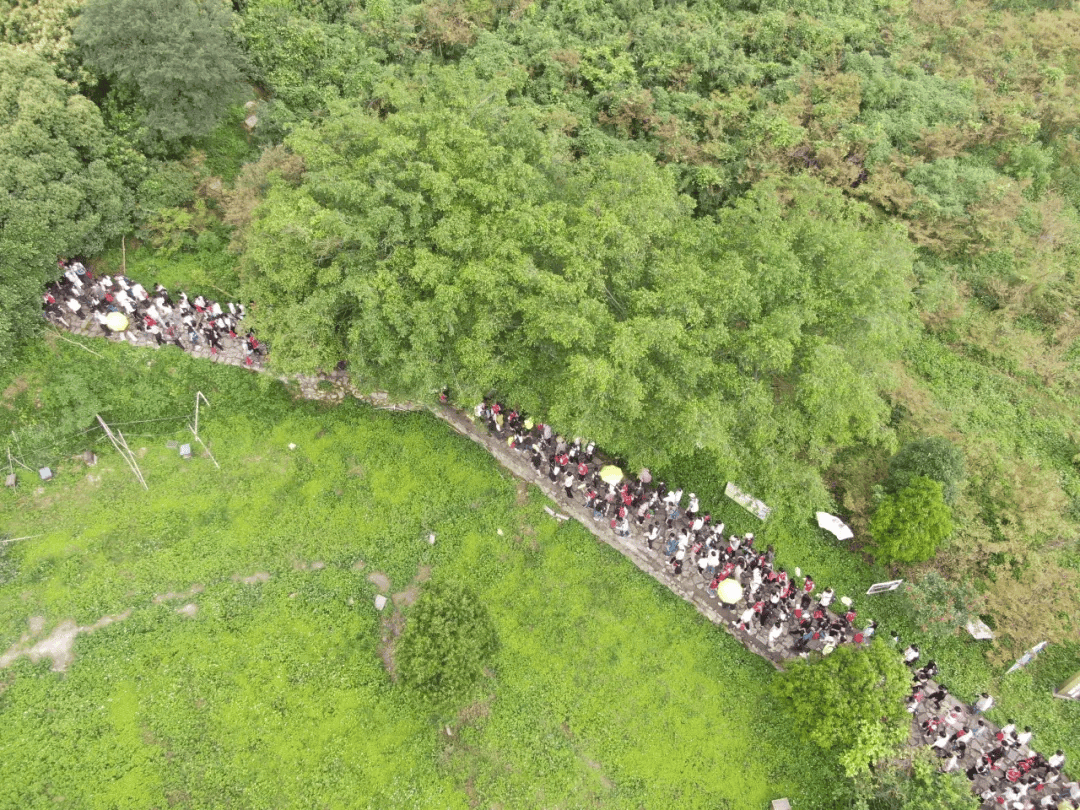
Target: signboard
[979,630]
[747,501]
[834,526]
[1027,657]
[883,587]
[1069,689]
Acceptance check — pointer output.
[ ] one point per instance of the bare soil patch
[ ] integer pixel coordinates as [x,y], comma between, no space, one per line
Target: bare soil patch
[165,597]
[18,385]
[423,574]
[392,626]
[407,596]
[379,580]
[258,576]
[58,645]
[189,610]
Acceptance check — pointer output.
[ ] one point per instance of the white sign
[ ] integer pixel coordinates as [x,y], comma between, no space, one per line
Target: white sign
[979,630]
[747,501]
[834,526]
[1069,689]
[883,587]
[1027,657]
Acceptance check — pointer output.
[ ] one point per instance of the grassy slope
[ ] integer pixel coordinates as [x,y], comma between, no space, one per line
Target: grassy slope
[608,689]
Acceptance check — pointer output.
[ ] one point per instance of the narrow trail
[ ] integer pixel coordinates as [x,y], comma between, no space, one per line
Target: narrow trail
[950,714]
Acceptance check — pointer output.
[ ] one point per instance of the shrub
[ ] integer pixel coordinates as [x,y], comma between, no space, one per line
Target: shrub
[909,526]
[935,458]
[447,642]
[850,702]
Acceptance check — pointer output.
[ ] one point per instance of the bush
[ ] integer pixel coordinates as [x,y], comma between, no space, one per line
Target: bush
[909,526]
[941,606]
[935,458]
[448,641]
[850,702]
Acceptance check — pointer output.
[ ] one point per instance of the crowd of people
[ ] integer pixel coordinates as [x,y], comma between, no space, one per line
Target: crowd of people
[187,323]
[1005,771]
[778,611]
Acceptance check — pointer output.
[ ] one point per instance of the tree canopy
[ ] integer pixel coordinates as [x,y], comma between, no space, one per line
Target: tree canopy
[66,186]
[910,525]
[934,457]
[454,243]
[179,56]
[851,702]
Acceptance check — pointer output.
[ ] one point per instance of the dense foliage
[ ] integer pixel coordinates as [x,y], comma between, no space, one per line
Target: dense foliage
[276,691]
[850,703]
[910,525]
[448,642]
[176,58]
[771,243]
[917,785]
[65,185]
[933,457]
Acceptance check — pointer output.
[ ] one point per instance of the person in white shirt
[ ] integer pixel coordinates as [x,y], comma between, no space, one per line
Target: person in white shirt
[1024,737]
[746,618]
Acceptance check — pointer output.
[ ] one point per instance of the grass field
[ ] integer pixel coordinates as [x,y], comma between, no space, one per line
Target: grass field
[608,690]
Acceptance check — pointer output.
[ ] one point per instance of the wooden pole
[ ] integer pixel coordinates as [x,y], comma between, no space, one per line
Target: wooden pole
[207,449]
[198,395]
[28,537]
[134,463]
[120,449]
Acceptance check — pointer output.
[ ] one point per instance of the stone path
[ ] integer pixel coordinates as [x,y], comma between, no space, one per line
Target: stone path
[690,585]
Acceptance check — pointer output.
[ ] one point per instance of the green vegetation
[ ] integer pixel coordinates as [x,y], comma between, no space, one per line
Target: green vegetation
[177,61]
[935,458]
[910,525]
[825,252]
[447,644]
[64,184]
[919,786]
[850,703]
[610,690]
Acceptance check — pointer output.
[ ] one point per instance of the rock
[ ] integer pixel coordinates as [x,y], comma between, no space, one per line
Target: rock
[380,602]
[251,121]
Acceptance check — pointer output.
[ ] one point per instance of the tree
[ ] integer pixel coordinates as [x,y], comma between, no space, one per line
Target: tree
[452,241]
[909,786]
[179,56]
[448,640]
[933,457]
[64,186]
[910,525]
[851,702]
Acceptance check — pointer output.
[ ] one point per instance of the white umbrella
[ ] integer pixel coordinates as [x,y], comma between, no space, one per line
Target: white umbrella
[834,525]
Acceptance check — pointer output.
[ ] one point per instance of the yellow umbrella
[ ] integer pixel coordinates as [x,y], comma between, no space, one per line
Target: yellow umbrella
[528,424]
[729,591]
[611,474]
[117,321]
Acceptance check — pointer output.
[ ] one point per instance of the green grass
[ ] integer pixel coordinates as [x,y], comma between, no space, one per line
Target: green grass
[608,690]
